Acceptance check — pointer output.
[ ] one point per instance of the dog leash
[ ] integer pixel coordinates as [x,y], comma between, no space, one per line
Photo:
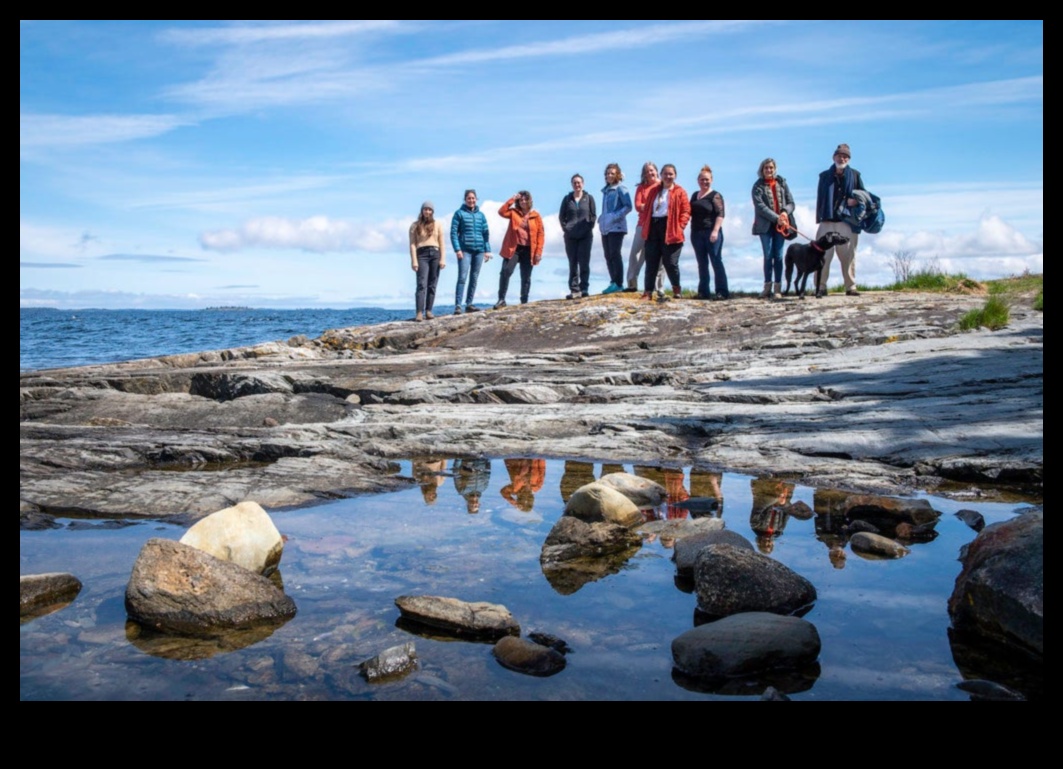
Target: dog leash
[783,229]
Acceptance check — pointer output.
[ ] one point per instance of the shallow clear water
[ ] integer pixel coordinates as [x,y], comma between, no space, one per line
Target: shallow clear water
[883,623]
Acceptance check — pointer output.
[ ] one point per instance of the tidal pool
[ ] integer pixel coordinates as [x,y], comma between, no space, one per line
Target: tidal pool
[883,623]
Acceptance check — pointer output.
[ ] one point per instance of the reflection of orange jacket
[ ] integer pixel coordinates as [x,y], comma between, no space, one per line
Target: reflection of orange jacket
[536,233]
[678,213]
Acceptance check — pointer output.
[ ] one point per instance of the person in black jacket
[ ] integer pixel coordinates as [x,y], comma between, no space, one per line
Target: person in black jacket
[577,216]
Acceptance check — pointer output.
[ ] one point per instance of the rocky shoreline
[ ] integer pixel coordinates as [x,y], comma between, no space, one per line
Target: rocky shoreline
[879,393]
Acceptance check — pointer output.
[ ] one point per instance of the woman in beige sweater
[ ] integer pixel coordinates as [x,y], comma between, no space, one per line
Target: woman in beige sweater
[427,258]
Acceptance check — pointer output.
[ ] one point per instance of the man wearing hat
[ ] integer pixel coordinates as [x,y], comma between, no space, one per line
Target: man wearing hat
[833,200]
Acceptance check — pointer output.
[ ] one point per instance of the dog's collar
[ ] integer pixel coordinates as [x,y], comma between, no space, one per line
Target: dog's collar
[816,246]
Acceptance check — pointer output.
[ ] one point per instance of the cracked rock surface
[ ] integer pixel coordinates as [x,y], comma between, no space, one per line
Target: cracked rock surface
[879,393]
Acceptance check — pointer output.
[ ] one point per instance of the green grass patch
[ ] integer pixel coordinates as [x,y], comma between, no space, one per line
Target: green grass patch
[1039,302]
[1026,283]
[993,315]
[931,278]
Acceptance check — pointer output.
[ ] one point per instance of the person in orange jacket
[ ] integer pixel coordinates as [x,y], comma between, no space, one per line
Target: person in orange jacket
[523,244]
[669,207]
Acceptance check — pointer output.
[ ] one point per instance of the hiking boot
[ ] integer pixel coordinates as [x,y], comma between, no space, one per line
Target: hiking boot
[471,308]
[646,297]
[418,317]
[458,310]
[776,290]
[677,292]
[429,316]
[500,304]
[852,292]
[766,293]
[573,295]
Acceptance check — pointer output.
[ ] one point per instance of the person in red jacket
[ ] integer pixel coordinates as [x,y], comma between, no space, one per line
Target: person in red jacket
[523,244]
[669,207]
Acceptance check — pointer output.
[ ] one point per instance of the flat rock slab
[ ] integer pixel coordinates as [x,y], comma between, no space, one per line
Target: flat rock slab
[880,394]
[999,594]
[40,594]
[746,644]
[528,657]
[477,619]
[730,580]
[180,589]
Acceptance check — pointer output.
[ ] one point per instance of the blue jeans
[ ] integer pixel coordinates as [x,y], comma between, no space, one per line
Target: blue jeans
[772,244]
[468,269]
[705,251]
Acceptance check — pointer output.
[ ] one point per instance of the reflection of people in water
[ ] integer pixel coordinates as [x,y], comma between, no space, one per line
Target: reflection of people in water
[471,477]
[526,477]
[677,492]
[706,484]
[429,473]
[672,480]
[576,474]
[769,517]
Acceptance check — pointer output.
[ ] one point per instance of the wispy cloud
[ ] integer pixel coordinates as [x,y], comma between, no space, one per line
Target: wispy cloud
[248,34]
[48,265]
[583,45]
[38,131]
[752,115]
[147,258]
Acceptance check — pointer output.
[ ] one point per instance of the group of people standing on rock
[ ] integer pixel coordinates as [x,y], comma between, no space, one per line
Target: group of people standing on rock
[664,210]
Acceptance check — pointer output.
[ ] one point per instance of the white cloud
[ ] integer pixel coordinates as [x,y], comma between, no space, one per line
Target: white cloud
[992,237]
[318,234]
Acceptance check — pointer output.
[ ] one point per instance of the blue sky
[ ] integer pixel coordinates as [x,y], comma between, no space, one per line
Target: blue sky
[188,164]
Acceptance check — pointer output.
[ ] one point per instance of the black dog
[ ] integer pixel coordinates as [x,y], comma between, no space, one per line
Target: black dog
[809,258]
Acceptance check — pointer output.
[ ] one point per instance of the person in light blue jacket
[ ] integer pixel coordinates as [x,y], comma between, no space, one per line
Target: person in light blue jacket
[471,241]
[612,223]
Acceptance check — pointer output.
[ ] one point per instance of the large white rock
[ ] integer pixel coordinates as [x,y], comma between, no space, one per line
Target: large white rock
[243,534]
[642,491]
[601,502]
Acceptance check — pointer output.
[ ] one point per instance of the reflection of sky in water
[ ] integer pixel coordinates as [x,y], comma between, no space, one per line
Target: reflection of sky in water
[882,623]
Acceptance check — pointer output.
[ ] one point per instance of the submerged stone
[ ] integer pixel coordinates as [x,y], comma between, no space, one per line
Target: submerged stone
[866,543]
[528,657]
[391,664]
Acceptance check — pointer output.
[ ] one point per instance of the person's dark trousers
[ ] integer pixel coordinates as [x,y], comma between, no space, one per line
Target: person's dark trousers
[578,251]
[522,257]
[659,253]
[612,244]
[706,252]
[427,277]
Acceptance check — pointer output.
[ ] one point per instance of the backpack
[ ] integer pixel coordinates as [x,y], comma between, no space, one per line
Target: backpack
[867,215]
